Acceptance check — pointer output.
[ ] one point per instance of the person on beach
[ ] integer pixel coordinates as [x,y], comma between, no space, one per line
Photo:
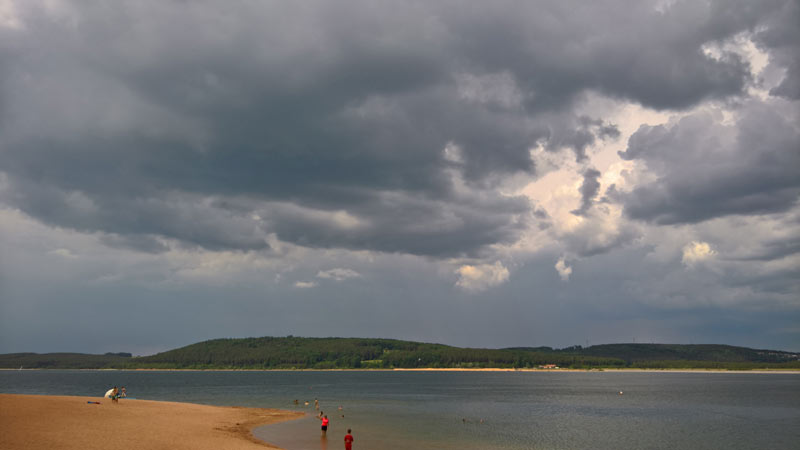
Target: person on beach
[112,394]
[325,425]
[348,440]
[316,404]
[122,392]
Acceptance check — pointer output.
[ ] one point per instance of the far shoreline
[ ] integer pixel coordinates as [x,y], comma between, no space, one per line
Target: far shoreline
[632,370]
[435,369]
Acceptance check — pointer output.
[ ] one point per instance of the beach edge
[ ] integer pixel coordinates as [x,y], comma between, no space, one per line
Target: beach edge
[77,422]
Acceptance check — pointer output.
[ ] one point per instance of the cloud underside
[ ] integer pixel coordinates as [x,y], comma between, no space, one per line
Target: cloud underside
[706,169]
[328,126]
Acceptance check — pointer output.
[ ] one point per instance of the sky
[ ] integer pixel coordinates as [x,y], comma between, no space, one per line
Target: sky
[478,174]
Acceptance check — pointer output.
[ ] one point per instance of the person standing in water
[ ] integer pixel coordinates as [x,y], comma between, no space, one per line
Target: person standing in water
[325,425]
[348,440]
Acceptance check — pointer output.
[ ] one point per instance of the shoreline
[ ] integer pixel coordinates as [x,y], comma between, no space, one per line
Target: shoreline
[757,371]
[39,422]
[446,369]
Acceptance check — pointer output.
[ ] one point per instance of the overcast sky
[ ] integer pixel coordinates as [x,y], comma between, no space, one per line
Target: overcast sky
[490,174]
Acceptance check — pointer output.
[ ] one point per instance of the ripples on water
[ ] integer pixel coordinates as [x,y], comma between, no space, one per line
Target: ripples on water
[479,410]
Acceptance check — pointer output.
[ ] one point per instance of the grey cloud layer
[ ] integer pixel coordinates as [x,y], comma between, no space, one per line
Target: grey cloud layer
[217,125]
[589,189]
[782,40]
[706,169]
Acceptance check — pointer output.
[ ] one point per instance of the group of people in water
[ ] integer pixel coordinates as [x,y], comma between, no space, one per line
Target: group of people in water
[116,393]
[348,438]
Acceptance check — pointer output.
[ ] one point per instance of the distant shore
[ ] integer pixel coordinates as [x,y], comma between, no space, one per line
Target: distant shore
[453,369]
[632,370]
[42,422]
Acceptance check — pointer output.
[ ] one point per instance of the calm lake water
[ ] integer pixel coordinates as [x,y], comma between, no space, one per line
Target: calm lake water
[478,410]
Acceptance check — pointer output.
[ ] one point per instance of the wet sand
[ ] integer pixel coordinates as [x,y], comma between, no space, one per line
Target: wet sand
[34,422]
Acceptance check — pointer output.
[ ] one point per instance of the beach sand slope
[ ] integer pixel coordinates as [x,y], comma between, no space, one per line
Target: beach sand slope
[34,422]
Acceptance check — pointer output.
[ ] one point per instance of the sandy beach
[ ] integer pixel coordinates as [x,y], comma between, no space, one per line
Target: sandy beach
[33,422]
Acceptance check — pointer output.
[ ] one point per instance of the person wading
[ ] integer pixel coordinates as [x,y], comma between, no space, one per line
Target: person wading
[324,424]
[348,440]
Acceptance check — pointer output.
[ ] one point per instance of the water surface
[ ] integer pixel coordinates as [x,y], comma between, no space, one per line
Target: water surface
[478,410]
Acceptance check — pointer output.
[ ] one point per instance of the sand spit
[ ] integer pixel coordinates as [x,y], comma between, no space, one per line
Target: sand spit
[33,422]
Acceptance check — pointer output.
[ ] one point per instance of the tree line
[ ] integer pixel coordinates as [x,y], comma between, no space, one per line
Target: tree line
[357,353]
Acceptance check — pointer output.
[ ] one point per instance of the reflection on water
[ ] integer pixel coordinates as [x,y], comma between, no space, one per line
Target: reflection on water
[496,410]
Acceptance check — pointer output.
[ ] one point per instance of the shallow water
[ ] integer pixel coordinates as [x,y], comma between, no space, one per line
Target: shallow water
[479,410]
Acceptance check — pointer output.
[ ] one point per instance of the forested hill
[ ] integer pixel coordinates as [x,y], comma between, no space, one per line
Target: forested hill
[683,356]
[62,360]
[670,352]
[357,353]
[354,353]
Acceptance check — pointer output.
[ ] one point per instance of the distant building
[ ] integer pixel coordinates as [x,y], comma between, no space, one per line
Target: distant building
[549,366]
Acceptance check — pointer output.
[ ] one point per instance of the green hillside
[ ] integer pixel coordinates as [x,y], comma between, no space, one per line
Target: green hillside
[356,353]
[349,353]
[62,360]
[670,352]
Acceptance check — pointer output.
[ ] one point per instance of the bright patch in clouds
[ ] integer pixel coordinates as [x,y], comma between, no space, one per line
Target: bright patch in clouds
[482,276]
[9,15]
[696,252]
[64,253]
[338,274]
[305,284]
[564,271]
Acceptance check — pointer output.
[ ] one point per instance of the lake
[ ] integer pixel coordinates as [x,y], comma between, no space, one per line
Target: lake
[477,410]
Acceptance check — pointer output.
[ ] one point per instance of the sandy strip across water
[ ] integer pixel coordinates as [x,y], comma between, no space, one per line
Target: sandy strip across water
[34,422]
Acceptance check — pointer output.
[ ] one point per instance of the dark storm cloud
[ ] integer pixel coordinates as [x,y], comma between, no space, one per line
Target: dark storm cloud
[589,189]
[706,169]
[781,38]
[147,120]
[773,249]
[560,48]
[395,225]
[141,243]
[134,222]
[581,134]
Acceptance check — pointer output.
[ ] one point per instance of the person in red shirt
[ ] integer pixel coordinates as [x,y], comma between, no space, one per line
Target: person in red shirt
[348,440]
[324,425]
